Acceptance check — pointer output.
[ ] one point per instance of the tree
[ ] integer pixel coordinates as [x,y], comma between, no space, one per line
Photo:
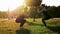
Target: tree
[33,4]
[33,12]
[53,11]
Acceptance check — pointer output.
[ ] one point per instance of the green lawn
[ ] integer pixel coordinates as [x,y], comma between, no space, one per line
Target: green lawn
[37,27]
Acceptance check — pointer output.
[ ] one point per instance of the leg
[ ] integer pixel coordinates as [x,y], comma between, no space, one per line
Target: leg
[44,22]
[22,23]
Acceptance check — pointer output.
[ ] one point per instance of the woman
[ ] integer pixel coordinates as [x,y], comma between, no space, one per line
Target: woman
[21,19]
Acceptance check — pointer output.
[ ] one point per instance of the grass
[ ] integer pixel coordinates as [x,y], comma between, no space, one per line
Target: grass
[11,27]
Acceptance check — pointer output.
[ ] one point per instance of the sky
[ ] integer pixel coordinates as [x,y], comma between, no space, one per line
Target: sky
[51,2]
[12,4]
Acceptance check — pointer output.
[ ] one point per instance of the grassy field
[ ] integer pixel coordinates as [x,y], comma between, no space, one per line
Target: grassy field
[37,27]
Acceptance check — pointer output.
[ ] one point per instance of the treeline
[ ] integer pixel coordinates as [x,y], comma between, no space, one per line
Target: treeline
[53,11]
[3,14]
[35,12]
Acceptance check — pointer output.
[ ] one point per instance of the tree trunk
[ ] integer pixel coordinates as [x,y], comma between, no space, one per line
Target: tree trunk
[34,19]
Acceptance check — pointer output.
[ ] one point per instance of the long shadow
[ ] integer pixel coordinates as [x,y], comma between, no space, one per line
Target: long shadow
[34,24]
[54,29]
[23,31]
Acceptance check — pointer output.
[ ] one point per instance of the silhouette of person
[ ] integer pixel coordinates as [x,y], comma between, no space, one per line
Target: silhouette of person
[46,16]
[21,19]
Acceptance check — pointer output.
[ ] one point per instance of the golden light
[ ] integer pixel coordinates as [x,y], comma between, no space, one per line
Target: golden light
[11,4]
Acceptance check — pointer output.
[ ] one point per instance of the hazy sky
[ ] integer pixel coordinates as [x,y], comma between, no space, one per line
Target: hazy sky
[12,4]
[51,2]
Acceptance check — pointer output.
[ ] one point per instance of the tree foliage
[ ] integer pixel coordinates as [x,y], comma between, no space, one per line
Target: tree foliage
[53,11]
[33,2]
[33,12]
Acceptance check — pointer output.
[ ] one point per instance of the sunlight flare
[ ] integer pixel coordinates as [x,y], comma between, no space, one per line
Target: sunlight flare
[11,4]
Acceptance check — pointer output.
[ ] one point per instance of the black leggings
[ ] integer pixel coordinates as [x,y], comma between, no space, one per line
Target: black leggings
[44,22]
[22,23]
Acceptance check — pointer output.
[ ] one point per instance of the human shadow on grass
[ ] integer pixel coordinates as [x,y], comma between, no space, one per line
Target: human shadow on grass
[54,29]
[34,24]
[23,31]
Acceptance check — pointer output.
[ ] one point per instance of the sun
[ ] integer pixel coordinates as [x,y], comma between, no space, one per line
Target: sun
[10,4]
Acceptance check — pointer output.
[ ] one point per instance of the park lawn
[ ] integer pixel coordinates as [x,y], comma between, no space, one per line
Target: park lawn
[31,27]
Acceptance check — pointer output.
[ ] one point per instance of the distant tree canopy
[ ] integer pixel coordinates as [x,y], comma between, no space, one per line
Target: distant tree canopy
[33,12]
[3,15]
[53,11]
